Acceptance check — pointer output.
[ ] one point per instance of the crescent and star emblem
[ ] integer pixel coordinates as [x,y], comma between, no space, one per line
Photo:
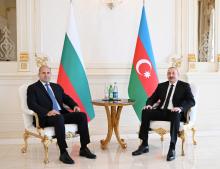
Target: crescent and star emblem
[147,72]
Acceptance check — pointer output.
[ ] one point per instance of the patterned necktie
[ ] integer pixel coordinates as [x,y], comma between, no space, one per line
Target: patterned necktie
[52,97]
[168,97]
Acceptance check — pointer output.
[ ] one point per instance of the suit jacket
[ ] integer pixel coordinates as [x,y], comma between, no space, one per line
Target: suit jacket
[182,96]
[39,101]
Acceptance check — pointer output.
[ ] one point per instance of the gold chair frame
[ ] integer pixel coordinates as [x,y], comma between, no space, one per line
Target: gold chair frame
[44,138]
[182,134]
[38,132]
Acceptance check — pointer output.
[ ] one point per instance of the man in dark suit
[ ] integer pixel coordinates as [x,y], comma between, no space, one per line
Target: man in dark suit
[47,99]
[170,102]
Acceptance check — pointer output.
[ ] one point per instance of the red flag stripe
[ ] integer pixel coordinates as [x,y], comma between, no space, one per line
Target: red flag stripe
[69,89]
[150,83]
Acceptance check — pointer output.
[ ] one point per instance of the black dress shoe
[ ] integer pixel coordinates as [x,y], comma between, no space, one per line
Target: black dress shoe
[65,158]
[171,154]
[85,152]
[141,149]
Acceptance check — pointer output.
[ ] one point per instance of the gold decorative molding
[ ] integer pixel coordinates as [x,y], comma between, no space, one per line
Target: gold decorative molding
[191,58]
[24,57]
[192,62]
[218,60]
[23,62]
[218,57]
[192,66]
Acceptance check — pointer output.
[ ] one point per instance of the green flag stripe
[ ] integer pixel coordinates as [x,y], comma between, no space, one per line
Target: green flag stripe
[137,92]
[76,75]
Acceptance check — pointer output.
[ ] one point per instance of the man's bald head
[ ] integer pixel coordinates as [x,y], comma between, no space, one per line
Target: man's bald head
[44,73]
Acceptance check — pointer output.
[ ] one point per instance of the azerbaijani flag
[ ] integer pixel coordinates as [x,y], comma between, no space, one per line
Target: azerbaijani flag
[143,78]
[72,76]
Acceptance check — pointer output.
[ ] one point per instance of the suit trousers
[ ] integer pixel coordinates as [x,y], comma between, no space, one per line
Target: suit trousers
[59,121]
[160,115]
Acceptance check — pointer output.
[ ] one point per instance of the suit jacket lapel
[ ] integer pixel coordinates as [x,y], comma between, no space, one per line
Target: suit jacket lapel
[176,91]
[165,89]
[40,85]
[163,93]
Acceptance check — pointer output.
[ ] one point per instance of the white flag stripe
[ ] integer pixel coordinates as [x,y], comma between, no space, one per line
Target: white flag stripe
[73,35]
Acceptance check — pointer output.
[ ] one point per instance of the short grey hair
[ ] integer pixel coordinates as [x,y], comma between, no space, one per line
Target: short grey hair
[43,66]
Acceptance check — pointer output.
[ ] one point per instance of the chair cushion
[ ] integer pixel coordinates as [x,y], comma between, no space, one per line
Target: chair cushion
[164,124]
[49,131]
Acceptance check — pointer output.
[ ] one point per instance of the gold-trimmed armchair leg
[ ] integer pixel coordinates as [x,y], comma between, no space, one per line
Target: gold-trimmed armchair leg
[182,136]
[193,136]
[161,132]
[46,143]
[25,145]
[161,137]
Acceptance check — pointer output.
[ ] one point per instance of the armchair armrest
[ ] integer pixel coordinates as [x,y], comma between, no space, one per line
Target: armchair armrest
[191,115]
[191,118]
[28,111]
[28,118]
[37,120]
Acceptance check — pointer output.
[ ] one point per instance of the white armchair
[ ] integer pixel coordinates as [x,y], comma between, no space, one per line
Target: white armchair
[47,134]
[163,127]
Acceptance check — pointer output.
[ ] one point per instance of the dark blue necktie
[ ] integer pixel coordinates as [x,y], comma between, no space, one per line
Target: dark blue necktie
[54,100]
[168,97]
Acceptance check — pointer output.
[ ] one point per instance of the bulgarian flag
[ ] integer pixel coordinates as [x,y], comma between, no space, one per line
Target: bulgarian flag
[72,76]
[143,78]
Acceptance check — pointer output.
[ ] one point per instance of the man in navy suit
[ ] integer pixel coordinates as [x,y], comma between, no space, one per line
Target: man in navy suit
[47,99]
[170,102]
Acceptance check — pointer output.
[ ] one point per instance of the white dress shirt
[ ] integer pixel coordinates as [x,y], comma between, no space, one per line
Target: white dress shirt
[170,105]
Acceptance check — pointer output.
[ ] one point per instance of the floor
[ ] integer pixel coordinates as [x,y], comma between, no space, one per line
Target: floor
[204,155]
